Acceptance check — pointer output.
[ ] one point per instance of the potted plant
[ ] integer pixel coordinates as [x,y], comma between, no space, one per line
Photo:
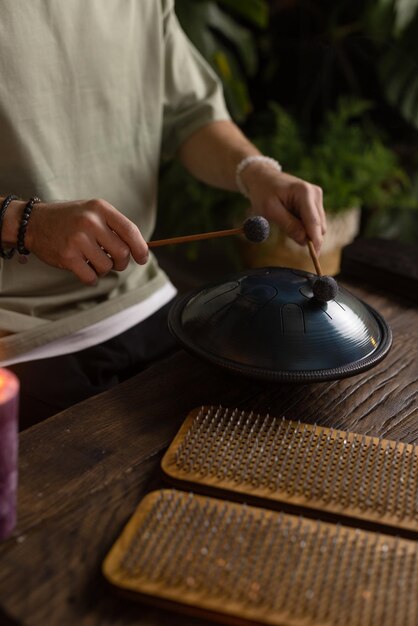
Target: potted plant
[348,159]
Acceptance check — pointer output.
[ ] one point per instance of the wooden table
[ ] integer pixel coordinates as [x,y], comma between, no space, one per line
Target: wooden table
[83,471]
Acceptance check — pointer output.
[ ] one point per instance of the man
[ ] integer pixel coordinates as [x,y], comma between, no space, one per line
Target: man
[93,95]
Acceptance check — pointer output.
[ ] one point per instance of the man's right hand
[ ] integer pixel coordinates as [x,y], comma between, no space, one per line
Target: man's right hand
[87,237]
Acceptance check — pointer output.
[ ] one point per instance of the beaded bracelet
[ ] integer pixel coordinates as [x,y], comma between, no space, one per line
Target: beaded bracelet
[23,224]
[251,159]
[5,254]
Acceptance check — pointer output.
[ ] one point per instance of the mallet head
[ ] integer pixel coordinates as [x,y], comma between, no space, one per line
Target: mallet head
[256,229]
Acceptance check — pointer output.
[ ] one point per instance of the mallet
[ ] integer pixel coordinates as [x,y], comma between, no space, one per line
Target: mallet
[324,288]
[255,229]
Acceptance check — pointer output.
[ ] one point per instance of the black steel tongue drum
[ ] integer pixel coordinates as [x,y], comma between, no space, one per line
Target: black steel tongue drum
[270,324]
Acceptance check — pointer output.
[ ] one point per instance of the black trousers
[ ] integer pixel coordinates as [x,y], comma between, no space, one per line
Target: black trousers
[48,386]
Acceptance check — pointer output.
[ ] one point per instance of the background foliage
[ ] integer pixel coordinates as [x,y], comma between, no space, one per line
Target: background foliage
[348,160]
[225,33]
[329,87]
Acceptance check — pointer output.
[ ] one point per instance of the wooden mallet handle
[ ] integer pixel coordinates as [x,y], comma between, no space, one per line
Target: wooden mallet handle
[314,258]
[324,288]
[197,237]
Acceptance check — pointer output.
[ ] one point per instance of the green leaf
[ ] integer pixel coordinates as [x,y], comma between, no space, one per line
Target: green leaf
[227,45]
[405,12]
[398,71]
[234,83]
[379,19]
[240,37]
[401,12]
[255,11]
[194,18]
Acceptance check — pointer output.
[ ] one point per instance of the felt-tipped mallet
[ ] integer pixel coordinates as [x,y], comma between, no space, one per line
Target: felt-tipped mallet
[255,229]
[324,288]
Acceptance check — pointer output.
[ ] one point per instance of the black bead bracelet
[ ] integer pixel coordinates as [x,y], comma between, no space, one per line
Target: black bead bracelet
[23,224]
[5,254]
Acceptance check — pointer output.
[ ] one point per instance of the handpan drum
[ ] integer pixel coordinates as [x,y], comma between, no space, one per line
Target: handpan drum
[266,323]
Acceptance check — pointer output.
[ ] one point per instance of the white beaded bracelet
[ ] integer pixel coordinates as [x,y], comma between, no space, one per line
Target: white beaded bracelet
[247,161]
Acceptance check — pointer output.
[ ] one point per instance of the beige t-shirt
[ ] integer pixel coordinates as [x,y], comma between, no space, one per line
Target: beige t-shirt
[92,94]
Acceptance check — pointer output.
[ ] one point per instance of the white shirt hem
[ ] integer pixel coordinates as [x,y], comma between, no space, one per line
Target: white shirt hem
[100,331]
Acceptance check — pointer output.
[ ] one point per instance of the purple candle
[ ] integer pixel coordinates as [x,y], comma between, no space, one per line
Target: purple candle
[9,403]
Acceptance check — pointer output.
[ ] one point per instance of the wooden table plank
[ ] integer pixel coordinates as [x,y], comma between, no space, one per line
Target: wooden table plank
[83,471]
